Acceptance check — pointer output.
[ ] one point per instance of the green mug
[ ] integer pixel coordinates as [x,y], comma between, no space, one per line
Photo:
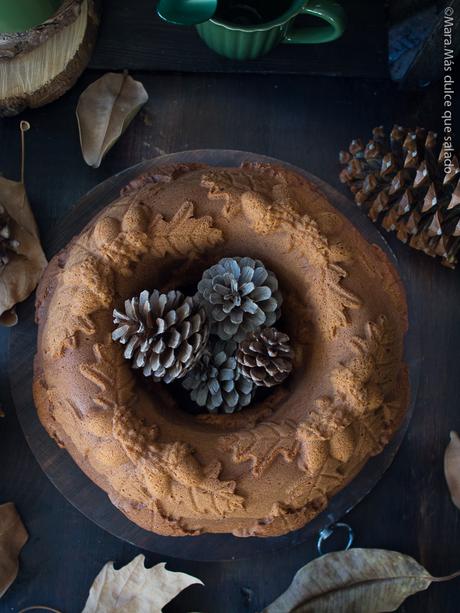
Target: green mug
[244,42]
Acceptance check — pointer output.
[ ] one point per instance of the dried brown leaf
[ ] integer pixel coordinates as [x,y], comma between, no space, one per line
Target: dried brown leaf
[452,468]
[13,537]
[135,589]
[104,111]
[354,581]
[20,276]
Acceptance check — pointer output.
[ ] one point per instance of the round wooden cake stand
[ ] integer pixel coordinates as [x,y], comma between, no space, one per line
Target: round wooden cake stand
[93,502]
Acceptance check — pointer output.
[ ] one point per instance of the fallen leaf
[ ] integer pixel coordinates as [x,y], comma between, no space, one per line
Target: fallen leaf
[19,277]
[452,468]
[135,589]
[354,581]
[104,111]
[13,537]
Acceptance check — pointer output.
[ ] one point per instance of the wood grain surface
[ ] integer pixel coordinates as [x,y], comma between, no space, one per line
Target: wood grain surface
[134,37]
[303,120]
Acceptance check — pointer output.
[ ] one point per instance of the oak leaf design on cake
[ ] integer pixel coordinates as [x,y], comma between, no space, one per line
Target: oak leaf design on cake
[328,417]
[93,281]
[385,421]
[122,243]
[263,444]
[284,518]
[304,236]
[119,245]
[379,342]
[294,517]
[171,470]
[323,460]
[111,374]
[183,234]
[359,386]
[154,180]
[363,382]
[91,271]
[222,185]
[273,209]
[170,525]
[310,487]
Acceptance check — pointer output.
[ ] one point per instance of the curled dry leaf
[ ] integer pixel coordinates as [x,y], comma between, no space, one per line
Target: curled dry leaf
[13,537]
[135,589]
[452,468]
[104,111]
[26,263]
[354,581]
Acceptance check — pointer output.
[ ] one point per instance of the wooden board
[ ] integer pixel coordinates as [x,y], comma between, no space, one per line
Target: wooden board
[132,36]
[305,120]
[91,500]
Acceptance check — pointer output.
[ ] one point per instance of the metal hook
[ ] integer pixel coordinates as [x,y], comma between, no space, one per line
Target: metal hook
[327,532]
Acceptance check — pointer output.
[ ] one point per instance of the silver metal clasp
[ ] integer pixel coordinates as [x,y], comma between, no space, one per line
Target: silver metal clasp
[330,530]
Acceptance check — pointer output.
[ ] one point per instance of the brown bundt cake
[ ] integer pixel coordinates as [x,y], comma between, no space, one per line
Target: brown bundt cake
[273,466]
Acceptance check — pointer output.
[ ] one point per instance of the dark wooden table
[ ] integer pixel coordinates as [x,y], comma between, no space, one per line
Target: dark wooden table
[304,120]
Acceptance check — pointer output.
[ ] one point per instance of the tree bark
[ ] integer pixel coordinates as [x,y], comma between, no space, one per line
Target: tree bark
[41,64]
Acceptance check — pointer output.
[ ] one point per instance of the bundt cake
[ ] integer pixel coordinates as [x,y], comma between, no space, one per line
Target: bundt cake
[273,466]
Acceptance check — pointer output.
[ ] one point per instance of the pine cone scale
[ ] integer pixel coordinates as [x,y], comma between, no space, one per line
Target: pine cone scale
[165,334]
[265,357]
[241,295]
[217,382]
[402,183]
[168,335]
[8,245]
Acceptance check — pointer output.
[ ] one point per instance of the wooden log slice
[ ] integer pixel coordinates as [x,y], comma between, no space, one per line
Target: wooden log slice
[41,64]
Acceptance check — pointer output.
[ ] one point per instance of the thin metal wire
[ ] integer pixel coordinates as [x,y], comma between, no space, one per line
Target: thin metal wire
[39,607]
[327,532]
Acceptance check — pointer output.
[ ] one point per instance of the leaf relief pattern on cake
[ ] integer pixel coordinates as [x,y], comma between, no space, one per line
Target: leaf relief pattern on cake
[337,432]
[165,469]
[171,472]
[179,475]
[263,444]
[276,210]
[112,248]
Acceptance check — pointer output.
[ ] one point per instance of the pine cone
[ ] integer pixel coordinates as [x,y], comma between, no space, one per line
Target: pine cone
[402,184]
[265,357]
[240,295]
[8,245]
[165,334]
[216,381]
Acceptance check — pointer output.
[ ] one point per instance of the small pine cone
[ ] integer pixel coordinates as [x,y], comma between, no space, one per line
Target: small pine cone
[240,295]
[164,334]
[266,357]
[216,381]
[8,245]
[409,185]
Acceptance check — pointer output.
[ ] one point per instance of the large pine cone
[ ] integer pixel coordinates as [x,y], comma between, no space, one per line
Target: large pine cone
[240,295]
[405,186]
[216,381]
[164,334]
[266,357]
[8,245]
